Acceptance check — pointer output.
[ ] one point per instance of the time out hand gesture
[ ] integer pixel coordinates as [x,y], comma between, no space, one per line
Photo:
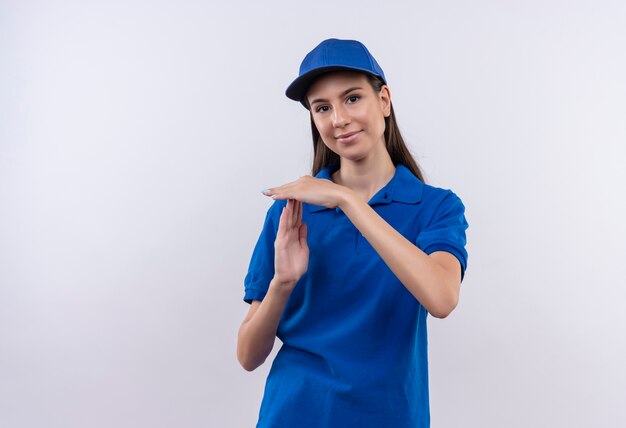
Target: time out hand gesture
[312,190]
[291,250]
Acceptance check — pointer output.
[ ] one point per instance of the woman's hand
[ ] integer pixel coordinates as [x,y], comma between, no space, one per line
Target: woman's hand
[291,250]
[312,190]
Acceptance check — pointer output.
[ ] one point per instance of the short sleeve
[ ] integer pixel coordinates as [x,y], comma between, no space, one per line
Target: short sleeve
[261,267]
[446,231]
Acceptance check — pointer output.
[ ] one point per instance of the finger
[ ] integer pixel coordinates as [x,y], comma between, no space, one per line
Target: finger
[273,190]
[294,217]
[282,222]
[295,213]
[285,191]
[303,234]
[288,214]
[296,205]
[292,208]
[299,215]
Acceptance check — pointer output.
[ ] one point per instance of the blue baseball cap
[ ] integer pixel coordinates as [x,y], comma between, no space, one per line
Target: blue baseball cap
[332,55]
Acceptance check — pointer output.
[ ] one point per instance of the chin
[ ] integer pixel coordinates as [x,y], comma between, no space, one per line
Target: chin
[353,157]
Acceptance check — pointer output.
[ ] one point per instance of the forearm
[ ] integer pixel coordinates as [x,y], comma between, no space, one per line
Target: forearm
[257,333]
[423,277]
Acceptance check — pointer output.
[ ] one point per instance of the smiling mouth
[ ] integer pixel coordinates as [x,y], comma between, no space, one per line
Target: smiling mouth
[348,138]
[348,135]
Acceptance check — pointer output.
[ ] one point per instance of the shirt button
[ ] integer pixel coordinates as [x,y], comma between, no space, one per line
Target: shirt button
[337,209]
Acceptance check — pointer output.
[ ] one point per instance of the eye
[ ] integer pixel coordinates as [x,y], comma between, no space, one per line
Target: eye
[317,110]
[353,98]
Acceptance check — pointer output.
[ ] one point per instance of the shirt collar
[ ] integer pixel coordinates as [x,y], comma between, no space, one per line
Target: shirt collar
[403,187]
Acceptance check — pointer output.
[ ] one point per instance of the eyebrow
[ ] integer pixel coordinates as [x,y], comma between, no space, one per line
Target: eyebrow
[323,100]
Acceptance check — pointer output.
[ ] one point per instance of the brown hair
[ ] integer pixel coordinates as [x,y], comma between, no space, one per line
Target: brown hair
[397,149]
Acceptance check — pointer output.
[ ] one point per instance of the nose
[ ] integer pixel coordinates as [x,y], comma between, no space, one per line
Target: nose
[340,117]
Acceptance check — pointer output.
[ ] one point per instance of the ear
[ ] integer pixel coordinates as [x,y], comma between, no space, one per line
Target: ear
[385,100]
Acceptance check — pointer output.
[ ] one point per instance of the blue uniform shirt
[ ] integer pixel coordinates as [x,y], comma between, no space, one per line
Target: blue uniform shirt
[354,338]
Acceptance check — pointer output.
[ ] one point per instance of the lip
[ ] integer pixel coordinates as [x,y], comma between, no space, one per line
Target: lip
[347,138]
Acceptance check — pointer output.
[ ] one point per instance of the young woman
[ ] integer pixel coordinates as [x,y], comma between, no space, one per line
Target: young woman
[350,261]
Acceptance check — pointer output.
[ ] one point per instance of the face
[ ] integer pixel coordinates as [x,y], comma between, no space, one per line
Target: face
[349,114]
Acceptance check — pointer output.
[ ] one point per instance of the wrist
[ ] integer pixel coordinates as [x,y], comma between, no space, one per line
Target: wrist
[346,197]
[279,284]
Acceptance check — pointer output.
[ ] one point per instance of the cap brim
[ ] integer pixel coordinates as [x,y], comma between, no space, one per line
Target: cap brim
[299,87]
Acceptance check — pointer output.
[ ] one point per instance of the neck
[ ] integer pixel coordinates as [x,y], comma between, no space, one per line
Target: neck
[365,177]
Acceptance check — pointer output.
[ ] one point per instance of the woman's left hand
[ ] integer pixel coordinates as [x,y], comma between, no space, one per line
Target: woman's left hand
[315,191]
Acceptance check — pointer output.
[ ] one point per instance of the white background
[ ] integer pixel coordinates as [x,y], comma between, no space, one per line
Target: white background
[135,140]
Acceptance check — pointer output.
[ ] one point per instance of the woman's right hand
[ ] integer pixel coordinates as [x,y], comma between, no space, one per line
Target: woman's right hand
[290,247]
